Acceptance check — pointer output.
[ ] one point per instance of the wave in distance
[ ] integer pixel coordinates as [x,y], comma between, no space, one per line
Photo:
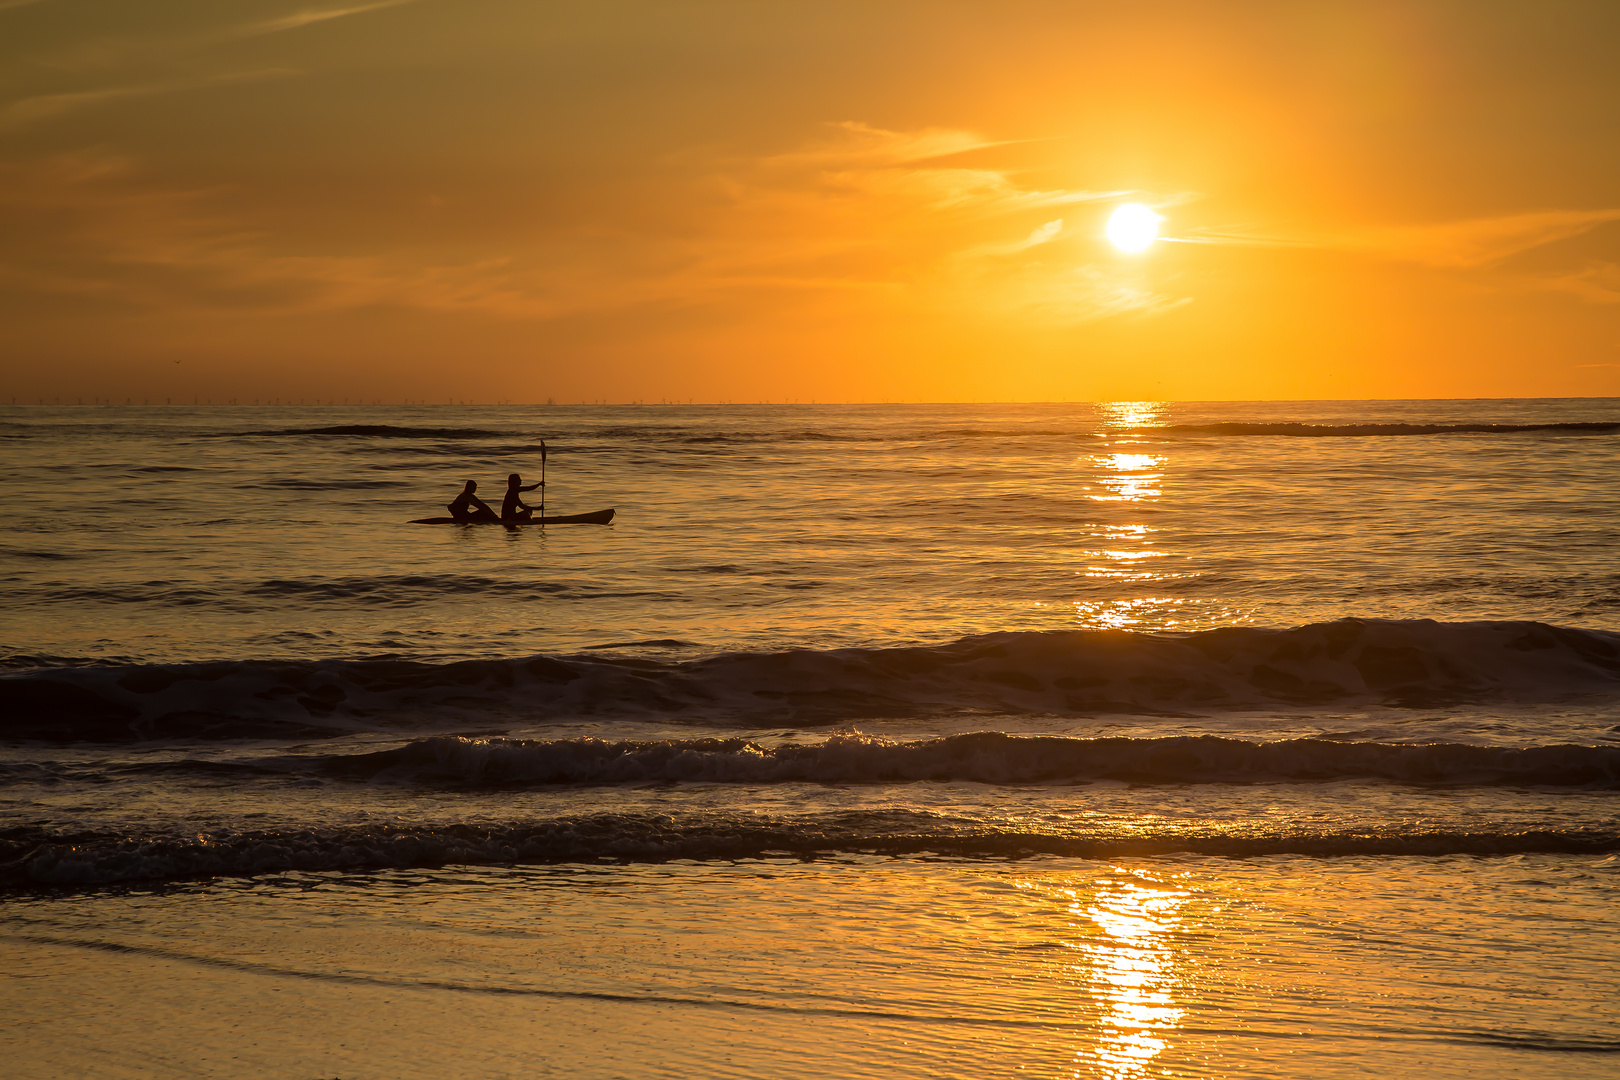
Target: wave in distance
[686,435]
[380,431]
[982,757]
[32,858]
[1348,663]
[1298,430]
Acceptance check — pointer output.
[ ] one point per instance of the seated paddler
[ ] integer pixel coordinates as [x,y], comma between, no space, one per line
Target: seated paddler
[469,509]
[513,510]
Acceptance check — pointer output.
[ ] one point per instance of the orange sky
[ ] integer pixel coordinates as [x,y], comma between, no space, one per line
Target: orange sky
[510,200]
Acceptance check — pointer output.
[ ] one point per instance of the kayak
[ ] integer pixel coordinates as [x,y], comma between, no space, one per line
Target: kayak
[600,517]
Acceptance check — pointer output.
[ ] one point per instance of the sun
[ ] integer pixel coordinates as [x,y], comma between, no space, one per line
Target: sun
[1133,227]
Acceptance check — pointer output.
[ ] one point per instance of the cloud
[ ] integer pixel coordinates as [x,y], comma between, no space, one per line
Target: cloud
[1042,234]
[870,161]
[1597,283]
[91,225]
[851,142]
[862,212]
[301,19]
[872,219]
[46,106]
[1451,245]
[115,52]
[111,53]
[887,213]
[1465,245]
[1237,238]
[1065,295]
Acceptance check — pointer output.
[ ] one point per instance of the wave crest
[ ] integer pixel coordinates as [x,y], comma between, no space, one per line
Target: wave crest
[91,860]
[1299,430]
[383,431]
[1348,663]
[983,757]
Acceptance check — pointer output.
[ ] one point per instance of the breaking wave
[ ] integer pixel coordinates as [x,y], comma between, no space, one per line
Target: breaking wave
[1351,662]
[383,431]
[984,757]
[31,859]
[709,437]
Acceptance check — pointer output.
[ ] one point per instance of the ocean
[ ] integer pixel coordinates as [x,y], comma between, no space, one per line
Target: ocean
[1135,739]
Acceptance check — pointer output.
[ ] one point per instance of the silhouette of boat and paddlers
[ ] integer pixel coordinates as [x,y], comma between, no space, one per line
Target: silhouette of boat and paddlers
[468,509]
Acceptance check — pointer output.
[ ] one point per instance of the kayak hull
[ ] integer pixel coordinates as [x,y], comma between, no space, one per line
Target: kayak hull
[598,517]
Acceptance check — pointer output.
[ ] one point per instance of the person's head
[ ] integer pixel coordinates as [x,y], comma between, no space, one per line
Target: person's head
[514,480]
[472,486]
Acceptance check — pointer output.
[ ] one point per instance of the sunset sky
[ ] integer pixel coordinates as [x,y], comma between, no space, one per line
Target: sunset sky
[515,200]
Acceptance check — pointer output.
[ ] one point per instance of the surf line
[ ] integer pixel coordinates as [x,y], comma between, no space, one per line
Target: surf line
[252,968]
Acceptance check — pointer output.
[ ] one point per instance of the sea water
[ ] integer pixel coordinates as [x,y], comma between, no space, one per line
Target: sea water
[1129,739]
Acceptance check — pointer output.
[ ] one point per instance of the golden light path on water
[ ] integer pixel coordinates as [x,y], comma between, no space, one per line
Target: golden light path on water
[1123,931]
[1134,974]
[1129,477]
[1125,471]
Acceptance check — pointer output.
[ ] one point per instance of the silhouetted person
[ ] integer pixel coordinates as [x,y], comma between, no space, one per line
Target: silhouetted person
[469,509]
[513,512]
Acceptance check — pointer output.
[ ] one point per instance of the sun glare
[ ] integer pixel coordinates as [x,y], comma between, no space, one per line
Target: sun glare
[1133,227]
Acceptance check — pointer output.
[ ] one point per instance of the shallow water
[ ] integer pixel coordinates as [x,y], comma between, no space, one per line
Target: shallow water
[1138,739]
[846,966]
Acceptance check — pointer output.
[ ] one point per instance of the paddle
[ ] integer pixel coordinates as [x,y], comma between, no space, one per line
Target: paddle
[542,483]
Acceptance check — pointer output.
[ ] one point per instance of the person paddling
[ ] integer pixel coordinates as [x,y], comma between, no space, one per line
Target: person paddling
[469,509]
[513,512]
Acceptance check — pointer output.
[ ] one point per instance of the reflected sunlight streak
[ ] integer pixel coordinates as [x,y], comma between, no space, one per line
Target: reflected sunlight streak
[1123,477]
[1131,414]
[1127,476]
[1133,971]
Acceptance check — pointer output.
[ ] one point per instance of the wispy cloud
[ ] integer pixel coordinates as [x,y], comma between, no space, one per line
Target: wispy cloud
[91,224]
[1596,283]
[863,160]
[1479,242]
[115,52]
[868,209]
[1062,294]
[1241,237]
[46,106]
[1041,234]
[1455,245]
[849,142]
[301,19]
[884,223]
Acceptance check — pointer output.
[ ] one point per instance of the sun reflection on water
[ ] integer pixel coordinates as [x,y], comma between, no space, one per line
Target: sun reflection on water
[1126,468]
[1132,970]
[1131,414]
[1129,477]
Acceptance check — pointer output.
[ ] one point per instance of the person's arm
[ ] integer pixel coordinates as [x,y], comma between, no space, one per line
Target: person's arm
[531,487]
